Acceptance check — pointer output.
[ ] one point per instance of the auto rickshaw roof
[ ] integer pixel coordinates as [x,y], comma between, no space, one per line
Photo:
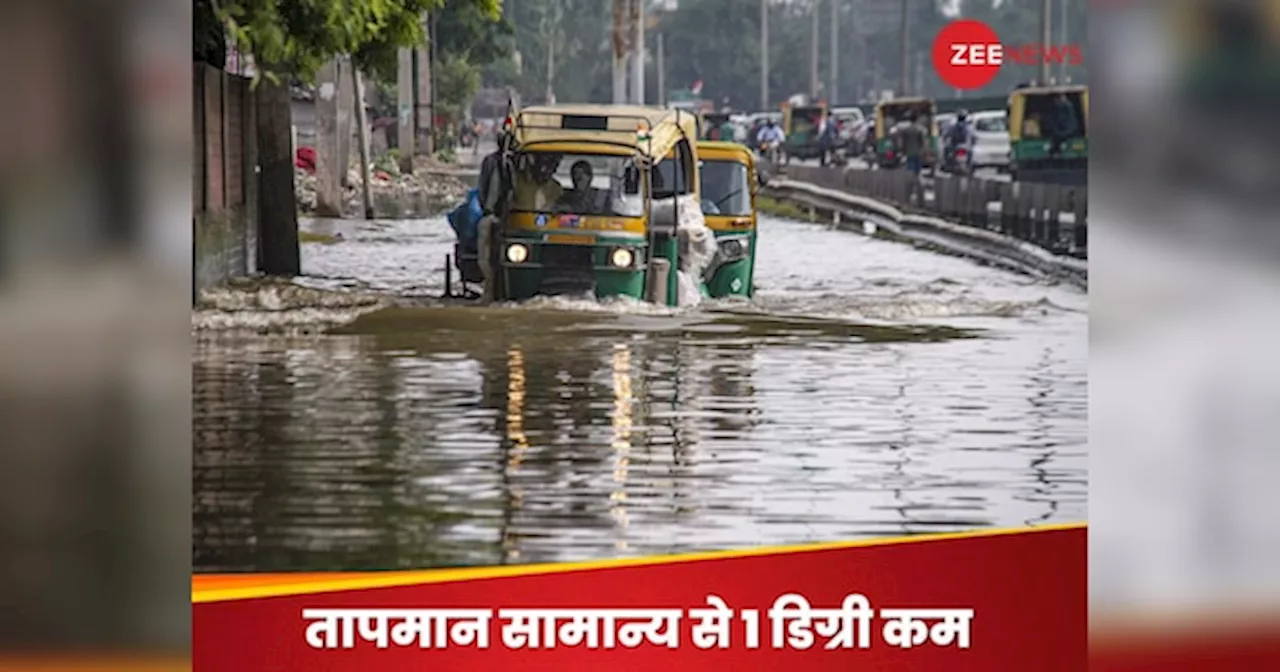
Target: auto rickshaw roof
[1048,90]
[903,102]
[723,149]
[614,126]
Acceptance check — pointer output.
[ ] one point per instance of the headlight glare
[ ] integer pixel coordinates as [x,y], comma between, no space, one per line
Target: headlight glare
[517,253]
[622,258]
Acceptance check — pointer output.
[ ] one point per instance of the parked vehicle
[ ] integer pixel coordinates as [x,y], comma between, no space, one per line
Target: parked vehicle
[991,139]
[848,119]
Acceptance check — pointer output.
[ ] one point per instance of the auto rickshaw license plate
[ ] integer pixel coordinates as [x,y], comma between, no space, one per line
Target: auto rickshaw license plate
[564,239]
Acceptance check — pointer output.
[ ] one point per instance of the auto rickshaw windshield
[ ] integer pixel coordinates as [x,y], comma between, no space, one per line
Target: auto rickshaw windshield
[726,188]
[581,184]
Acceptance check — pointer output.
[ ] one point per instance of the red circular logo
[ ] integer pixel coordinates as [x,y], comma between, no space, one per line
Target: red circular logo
[967,54]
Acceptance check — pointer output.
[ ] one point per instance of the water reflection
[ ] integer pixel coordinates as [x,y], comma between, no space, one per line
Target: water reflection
[435,436]
[621,444]
[514,450]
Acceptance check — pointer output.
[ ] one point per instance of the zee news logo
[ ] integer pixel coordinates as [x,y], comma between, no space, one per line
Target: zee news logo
[1027,54]
[968,54]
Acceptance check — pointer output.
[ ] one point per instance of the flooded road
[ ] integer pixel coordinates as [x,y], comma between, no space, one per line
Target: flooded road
[870,389]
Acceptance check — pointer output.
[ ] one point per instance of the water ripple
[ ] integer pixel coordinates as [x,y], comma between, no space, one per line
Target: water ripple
[870,389]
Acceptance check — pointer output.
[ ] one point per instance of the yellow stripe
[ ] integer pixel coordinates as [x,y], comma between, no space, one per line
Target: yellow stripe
[430,576]
[724,223]
[527,221]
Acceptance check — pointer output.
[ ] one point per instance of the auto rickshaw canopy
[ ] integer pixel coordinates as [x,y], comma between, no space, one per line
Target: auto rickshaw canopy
[652,133]
[928,103]
[1018,104]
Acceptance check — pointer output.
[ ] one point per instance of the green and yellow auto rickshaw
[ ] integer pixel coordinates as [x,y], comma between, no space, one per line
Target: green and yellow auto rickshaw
[729,183]
[802,125]
[715,126]
[1049,134]
[890,113]
[588,201]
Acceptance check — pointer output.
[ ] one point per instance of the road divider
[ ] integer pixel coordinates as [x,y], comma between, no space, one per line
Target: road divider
[1025,228]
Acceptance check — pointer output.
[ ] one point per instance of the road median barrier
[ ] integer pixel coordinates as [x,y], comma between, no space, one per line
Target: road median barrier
[1029,228]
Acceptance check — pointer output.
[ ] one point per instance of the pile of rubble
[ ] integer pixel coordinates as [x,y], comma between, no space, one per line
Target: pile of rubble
[429,191]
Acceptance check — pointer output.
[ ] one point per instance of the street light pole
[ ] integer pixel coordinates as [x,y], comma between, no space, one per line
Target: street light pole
[813,50]
[764,55]
[835,52]
[1046,9]
[906,49]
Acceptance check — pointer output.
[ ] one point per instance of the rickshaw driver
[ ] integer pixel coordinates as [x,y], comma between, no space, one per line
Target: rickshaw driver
[539,190]
[581,198]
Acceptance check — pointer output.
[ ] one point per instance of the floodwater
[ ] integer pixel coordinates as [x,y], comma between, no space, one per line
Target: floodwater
[870,389]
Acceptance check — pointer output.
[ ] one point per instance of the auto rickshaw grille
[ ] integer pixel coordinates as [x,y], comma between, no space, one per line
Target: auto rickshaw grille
[568,269]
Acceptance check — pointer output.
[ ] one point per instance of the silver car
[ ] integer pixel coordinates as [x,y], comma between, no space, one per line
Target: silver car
[991,133]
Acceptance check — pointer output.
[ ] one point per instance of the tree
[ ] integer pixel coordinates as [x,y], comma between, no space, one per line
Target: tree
[470,39]
[288,37]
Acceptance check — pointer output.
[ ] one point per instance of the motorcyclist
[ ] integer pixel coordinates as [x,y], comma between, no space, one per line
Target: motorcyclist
[961,135]
[770,138]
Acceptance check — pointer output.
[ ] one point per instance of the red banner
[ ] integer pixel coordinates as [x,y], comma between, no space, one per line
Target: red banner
[987,601]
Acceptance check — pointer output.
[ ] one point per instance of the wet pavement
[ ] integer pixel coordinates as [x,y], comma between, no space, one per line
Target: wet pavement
[870,389]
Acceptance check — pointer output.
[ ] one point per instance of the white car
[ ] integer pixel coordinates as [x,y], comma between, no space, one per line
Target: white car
[991,132]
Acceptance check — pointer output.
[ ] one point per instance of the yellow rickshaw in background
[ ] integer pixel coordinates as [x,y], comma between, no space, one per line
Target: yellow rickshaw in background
[889,113]
[1032,154]
[729,183]
[586,200]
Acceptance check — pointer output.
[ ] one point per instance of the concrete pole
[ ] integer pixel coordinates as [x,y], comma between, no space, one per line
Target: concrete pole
[637,52]
[434,59]
[620,33]
[662,70]
[1062,39]
[814,80]
[346,125]
[1046,31]
[425,142]
[920,74]
[328,171]
[832,92]
[905,89]
[404,109]
[764,55]
[362,123]
[551,72]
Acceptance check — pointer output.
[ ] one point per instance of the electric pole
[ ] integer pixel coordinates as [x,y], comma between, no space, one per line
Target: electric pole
[764,55]
[906,48]
[832,96]
[813,50]
[621,32]
[404,108]
[637,52]
[1062,32]
[425,111]
[1046,9]
[662,71]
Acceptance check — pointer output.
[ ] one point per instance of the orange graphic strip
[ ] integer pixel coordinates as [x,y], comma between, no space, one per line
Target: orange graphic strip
[223,587]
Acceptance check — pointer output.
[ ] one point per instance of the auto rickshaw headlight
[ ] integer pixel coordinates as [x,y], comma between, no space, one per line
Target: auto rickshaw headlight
[517,253]
[733,249]
[622,258]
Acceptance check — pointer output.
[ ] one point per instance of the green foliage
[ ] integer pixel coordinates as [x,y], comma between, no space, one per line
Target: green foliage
[456,80]
[388,162]
[299,36]
[717,41]
[446,155]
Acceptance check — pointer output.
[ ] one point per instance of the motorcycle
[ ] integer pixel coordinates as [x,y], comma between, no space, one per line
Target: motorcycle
[771,151]
[958,161]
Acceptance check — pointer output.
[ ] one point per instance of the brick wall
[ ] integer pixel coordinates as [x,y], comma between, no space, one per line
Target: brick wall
[224,178]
